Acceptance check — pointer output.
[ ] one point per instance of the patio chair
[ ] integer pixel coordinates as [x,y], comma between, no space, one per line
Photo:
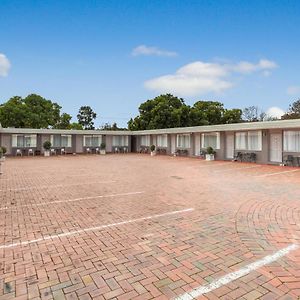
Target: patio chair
[297,161]
[88,150]
[238,156]
[97,151]
[19,152]
[30,152]
[53,151]
[289,160]
[125,150]
[253,157]
[63,151]
[116,150]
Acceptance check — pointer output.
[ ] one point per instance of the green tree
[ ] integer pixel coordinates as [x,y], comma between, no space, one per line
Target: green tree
[13,113]
[33,111]
[113,127]
[75,126]
[164,111]
[232,116]
[293,112]
[63,122]
[86,117]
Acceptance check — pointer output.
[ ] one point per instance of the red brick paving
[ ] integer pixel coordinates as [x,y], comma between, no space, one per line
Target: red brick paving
[239,217]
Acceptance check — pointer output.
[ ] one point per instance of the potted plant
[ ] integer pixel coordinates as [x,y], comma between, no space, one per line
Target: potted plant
[2,153]
[47,146]
[210,153]
[152,149]
[102,148]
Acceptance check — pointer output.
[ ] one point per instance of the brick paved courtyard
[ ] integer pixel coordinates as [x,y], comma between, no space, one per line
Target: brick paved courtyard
[139,227]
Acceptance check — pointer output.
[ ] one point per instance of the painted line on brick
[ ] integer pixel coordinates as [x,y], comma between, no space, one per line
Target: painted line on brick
[57,185]
[204,289]
[210,164]
[243,168]
[278,173]
[96,228]
[74,200]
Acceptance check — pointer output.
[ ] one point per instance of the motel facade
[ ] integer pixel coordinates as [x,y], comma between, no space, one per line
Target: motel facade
[269,142]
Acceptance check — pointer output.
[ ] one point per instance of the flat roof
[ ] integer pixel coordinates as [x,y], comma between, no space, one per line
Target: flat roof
[280,124]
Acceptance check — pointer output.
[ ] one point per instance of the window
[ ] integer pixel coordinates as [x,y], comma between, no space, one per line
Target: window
[183,141]
[291,141]
[248,140]
[211,139]
[64,140]
[255,140]
[162,140]
[92,140]
[145,140]
[120,140]
[241,140]
[23,141]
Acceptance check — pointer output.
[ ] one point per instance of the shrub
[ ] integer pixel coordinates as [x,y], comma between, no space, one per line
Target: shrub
[4,150]
[102,146]
[152,148]
[1,152]
[47,145]
[210,150]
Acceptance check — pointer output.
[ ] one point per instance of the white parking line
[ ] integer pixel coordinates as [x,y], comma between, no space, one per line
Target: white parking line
[278,173]
[210,164]
[56,185]
[74,200]
[204,289]
[100,227]
[243,168]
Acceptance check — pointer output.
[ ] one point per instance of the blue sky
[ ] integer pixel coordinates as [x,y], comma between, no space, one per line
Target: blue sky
[113,55]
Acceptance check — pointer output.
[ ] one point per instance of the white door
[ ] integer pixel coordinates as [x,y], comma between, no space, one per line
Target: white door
[173,143]
[276,147]
[230,146]
[197,144]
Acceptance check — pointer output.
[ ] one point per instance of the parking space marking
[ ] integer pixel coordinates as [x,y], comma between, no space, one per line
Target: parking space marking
[96,228]
[204,289]
[57,185]
[74,200]
[278,173]
[209,164]
[243,168]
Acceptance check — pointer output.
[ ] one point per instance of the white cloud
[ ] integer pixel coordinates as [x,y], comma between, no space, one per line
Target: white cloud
[152,51]
[293,90]
[275,112]
[203,77]
[4,65]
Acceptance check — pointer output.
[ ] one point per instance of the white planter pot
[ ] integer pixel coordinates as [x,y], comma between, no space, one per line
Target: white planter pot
[209,157]
[46,153]
[102,152]
[153,153]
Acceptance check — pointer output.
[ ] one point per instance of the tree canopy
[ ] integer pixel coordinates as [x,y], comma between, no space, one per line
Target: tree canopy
[293,112]
[168,111]
[86,117]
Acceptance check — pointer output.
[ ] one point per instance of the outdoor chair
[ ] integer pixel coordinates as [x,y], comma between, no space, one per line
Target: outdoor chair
[253,157]
[297,161]
[289,160]
[30,152]
[63,151]
[88,150]
[238,156]
[202,153]
[125,149]
[116,150]
[97,151]
[19,152]
[52,151]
